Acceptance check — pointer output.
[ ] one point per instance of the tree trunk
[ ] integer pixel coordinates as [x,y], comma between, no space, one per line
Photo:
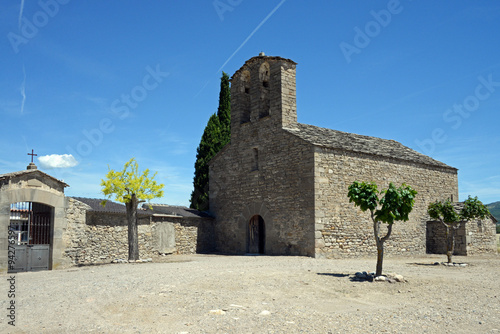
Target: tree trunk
[133,240]
[380,258]
[449,253]
[450,243]
[380,245]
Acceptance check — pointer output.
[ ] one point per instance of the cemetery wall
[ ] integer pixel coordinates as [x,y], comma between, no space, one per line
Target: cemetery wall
[474,237]
[481,236]
[100,237]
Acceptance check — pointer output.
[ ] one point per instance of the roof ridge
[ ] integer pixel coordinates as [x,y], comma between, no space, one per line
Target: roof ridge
[29,171]
[354,142]
[168,205]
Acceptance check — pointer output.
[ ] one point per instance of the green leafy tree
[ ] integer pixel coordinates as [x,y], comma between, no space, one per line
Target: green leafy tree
[446,214]
[216,135]
[395,204]
[131,187]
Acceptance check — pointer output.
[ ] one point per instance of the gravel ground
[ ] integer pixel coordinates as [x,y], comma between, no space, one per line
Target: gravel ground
[249,294]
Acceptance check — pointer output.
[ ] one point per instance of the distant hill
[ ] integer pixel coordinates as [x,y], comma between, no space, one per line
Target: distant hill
[494,209]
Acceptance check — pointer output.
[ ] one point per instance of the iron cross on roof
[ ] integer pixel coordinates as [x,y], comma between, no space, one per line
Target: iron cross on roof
[32,155]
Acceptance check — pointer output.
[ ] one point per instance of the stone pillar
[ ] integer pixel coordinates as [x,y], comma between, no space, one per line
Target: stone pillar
[31,166]
[4,230]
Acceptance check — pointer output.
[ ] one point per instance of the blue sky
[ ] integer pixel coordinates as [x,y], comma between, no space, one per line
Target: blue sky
[105,81]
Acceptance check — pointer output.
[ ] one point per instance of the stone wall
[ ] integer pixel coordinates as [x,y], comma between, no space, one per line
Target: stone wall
[436,239]
[302,190]
[191,235]
[264,171]
[344,230]
[480,236]
[99,237]
[74,235]
[296,176]
[474,237]
[280,191]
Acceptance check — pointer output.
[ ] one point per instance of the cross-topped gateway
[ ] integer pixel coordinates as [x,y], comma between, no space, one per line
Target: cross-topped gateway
[32,155]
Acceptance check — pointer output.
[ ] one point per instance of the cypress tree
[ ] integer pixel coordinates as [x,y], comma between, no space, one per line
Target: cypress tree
[216,135]
[224,110]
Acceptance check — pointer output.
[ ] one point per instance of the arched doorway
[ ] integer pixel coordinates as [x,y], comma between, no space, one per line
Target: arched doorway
[30,236]
[256,235]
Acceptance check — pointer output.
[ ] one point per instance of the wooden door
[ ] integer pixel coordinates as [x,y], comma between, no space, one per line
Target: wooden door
[256,235]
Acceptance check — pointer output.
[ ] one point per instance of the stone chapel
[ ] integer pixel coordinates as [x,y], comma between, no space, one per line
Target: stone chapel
[280,187]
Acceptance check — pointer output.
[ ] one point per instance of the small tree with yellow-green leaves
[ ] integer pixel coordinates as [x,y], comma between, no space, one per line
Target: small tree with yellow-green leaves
[131,187]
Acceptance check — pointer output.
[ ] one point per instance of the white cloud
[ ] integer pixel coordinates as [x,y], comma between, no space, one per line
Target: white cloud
[57,161]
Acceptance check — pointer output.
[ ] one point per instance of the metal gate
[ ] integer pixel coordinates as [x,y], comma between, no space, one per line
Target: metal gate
[30,234]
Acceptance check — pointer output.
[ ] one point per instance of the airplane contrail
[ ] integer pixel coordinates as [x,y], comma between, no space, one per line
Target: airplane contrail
[20,14]
[23,86]
[23,90]
[251,34]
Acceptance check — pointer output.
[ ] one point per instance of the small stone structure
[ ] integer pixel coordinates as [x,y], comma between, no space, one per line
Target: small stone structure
[280,187]
[33,185]
[472,237]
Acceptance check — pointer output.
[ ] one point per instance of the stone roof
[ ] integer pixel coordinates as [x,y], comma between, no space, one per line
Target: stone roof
[30,171]
[251,60]
[110,207]
[180,211]
[114,207]
[362,144]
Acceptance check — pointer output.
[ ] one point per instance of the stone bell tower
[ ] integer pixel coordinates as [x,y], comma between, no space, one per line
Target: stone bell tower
[263,88]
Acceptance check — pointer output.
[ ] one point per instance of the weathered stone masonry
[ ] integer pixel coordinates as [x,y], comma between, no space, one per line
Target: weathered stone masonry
[472,237]
[101,237]
[264,171]
[279,188]
[294,177]
[343,230]
[79,231]
[33,185]
[95,236]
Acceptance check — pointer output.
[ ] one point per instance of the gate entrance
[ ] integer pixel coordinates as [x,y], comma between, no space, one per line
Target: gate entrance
[30,236]
[256,235]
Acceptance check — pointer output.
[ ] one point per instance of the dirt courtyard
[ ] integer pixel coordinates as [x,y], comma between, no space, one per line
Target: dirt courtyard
[257,294]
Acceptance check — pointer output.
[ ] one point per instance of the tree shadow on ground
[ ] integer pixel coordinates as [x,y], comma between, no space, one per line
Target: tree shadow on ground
[333,274]
[423,264]
[442,264]
[352,278]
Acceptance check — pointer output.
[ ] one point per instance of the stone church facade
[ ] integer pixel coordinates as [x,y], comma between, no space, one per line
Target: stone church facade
[280,187]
